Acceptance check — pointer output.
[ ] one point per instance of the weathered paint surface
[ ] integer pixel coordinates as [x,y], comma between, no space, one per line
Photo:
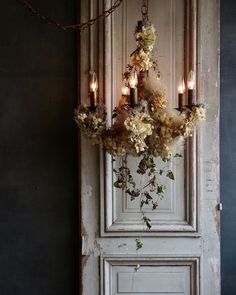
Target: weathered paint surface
[104,253]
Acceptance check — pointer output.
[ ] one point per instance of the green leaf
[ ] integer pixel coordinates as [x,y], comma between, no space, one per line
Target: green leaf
[170,175]
[177,155]
[116,184]
[128,192]
[139,244]
[147,222]
[161,189]
[142,204]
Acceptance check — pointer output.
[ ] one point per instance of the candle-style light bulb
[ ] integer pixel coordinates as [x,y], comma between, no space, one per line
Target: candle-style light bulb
[133,82]
[124,95]
[191,80]
[191,87]
[93,82]
[93,89]
[181,90]
[181,87]
[125,91]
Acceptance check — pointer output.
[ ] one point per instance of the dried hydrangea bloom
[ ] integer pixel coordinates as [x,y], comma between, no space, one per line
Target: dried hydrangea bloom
[140,126]
[91,124]
[141,60]
[157,101]
[146,38]
[192,118]
[116,144]
[198,113]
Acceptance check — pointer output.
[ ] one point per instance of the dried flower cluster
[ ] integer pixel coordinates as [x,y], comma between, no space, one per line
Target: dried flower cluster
[92,124]
[141,130]
[145,40]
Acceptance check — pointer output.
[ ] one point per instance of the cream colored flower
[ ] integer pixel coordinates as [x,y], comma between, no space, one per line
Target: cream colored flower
[91,125]
[140,126]
[81,116]
[141,60]
[198,113]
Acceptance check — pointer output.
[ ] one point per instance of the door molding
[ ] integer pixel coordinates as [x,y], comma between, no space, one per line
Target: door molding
[113,223]
[188,266]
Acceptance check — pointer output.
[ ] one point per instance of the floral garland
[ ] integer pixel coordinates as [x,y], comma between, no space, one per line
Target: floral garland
[146,129]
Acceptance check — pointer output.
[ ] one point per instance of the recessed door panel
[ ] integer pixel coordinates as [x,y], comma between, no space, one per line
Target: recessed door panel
[150,275]
[176,211]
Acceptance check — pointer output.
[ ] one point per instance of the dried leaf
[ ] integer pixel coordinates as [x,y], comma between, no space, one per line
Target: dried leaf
[154,205]
[170,175]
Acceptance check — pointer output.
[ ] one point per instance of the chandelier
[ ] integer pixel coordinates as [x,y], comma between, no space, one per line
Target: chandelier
[143,125]
[142,122]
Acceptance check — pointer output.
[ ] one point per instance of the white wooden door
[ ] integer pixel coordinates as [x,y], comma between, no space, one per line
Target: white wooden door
[180,254]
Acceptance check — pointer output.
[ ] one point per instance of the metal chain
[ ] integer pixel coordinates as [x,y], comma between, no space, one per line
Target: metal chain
[144,11]
[73,27]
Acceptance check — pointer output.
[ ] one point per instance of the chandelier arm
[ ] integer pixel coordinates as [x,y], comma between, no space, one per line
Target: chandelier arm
[72,27]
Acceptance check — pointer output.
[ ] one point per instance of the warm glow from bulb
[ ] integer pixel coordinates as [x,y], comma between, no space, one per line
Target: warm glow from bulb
[125,90]
[191,80]
[181,87]
[133,80]
[93,82]
[93,86]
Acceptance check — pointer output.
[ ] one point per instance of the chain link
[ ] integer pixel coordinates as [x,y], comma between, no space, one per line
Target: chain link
[73,27]
[144,11]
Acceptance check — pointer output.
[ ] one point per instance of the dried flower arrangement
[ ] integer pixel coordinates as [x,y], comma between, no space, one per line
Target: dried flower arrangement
[143,126]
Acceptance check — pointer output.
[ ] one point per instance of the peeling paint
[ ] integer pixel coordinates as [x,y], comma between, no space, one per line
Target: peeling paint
[88,191]
[124,245]
[97,246]
[217,220]
[214,264]
[84,260]
[83,230]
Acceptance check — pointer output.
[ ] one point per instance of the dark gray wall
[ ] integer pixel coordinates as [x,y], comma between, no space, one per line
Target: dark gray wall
[38,148]
[228,145]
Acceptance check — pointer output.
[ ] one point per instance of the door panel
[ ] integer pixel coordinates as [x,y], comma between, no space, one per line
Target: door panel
[177,211]
[153,277]
[181,251]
